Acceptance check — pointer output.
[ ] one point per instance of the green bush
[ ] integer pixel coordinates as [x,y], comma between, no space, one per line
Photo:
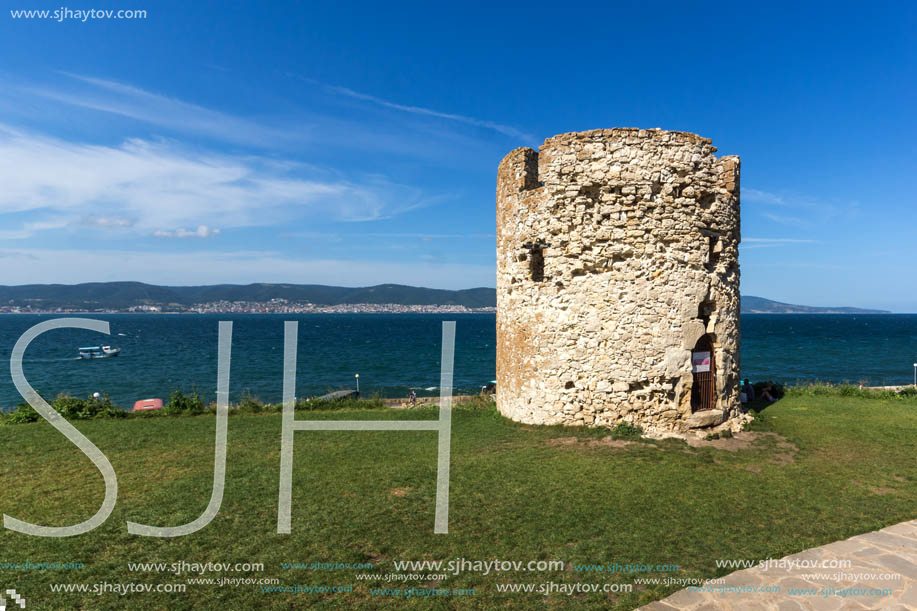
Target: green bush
[478,402]
[250,405]
[331,404]
[626,430]
[73,408]
[69,407]
[184,405]
[908,392]
[22,414]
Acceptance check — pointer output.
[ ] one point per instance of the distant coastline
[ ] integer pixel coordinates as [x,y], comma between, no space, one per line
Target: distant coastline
[137,297]
[354,308]
[825,312]
[760,305]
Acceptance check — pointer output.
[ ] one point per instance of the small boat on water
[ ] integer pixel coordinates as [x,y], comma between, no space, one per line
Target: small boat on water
[99,352]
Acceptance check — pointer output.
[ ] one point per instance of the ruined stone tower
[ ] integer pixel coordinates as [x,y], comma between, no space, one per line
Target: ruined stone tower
[618,281]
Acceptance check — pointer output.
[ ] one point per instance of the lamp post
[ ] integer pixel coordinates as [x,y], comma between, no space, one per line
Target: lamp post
[915,374]
[357,376]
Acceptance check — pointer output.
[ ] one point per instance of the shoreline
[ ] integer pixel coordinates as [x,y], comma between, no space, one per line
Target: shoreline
[467,311]
[392,403]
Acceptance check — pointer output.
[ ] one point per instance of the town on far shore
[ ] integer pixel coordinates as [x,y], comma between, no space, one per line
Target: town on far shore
[274,306]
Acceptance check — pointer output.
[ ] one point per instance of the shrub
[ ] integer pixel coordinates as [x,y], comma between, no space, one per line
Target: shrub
[626,430]
[186,405]
[69,407]
[848,390]
[332,404]
[250,405]
[73,408]
[22,414]
[479,402]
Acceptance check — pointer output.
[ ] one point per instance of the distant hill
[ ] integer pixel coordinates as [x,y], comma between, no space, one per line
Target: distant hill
[123,295]
[759,305]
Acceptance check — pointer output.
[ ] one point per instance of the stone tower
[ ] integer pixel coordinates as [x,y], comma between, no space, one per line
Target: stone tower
[618,281]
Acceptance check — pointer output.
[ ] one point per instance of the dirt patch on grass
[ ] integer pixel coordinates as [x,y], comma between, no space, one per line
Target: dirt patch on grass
[785,453]
[740,441]
[882,491]
[377,559]
[610,442]
[744,440]
[603,442]
[783,459]
[562,441]
[399,491]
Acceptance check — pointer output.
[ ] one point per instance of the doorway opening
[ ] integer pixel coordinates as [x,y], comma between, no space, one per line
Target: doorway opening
[703,366]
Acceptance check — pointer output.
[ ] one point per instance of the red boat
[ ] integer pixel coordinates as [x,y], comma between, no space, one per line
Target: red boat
[146,405]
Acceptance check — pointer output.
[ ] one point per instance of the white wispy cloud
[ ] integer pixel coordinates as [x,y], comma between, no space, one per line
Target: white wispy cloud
[382,234]
[202,231]
[23,266]
[158,186]
[106,221]
[128,101]
[761,197]
[748,243]
[506,130]
[778,241]
[305,129]
[799,208]
[783,219]
[30,228]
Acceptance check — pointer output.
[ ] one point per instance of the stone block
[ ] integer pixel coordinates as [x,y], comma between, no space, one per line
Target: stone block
[710,417]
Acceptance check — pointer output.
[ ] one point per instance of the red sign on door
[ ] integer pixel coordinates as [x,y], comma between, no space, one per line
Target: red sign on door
[700,362]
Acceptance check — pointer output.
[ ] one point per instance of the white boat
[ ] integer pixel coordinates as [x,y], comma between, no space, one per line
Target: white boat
[99,352]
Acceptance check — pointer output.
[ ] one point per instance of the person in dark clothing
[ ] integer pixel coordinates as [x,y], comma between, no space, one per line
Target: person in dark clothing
[749,391]
[768,393]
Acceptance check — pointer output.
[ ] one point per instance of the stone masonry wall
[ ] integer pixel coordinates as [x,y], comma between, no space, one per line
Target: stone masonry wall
[617,250]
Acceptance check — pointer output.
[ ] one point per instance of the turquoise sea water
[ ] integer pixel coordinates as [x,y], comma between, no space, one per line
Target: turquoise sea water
[396,352]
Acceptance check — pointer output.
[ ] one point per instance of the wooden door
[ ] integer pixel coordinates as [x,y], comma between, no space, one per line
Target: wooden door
[703,392]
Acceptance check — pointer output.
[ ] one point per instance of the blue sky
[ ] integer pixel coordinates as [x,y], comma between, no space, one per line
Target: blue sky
[356,144]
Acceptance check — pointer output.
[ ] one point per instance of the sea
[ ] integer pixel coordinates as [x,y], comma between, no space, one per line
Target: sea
[395,353]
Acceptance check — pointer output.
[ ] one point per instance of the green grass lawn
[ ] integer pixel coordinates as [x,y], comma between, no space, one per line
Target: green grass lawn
[369,497]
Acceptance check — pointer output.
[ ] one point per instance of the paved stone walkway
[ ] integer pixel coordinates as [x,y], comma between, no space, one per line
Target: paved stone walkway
[890,550]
